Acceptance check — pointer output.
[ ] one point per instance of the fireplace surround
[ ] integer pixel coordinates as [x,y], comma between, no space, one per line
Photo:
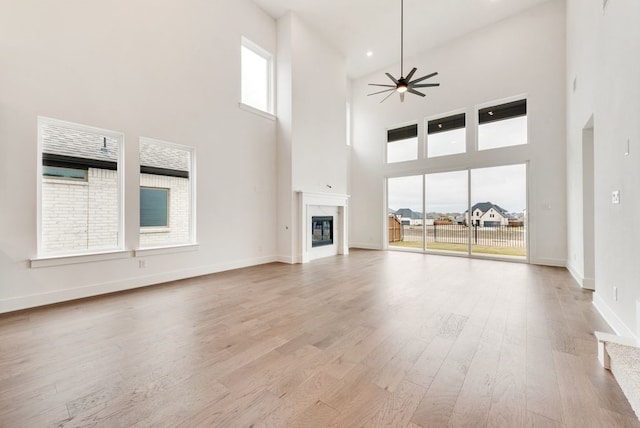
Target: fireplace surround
[323,205]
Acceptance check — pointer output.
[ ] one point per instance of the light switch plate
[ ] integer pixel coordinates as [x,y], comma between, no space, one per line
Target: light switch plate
[615,197]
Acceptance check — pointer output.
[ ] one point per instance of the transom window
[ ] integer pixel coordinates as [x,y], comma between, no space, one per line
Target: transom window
[402,144]
[502,125]
[257,77]
[446,136]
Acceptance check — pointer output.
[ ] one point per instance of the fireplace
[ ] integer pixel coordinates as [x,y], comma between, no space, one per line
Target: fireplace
[321,231]
[322,226]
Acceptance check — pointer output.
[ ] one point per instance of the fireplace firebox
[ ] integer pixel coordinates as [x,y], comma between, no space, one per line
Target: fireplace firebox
[321,231]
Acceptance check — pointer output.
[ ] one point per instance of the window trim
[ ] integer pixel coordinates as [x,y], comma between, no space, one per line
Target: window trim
[42,121]
[268,56]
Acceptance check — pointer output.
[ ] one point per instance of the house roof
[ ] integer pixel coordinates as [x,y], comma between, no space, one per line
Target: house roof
[65,141]
[409,213]
[486,206]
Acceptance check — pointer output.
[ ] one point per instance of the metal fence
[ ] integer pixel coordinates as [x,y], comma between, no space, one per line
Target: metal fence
[496,236]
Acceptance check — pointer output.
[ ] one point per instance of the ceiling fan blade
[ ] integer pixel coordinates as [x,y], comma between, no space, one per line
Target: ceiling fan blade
[381,92]
[385,98]
[413,91]
[424,85]
[411,73]
[378,84]
[420,79]
[401,97]
[393,79]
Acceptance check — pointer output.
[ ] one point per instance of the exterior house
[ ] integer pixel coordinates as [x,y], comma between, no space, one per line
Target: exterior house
[408,217]
[488,214]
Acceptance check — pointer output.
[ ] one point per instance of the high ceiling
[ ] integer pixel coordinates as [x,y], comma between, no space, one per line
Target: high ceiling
[357,26]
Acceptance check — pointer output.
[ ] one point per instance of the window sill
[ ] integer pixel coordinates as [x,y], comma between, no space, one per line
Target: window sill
[49,261]
[169,249]
[256,111]
[159,229]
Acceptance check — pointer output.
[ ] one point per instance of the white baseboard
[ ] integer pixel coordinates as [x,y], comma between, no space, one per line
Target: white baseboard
[286,259]
[35,300]
[575,274]
[365,246]
[611,318]
[548,262]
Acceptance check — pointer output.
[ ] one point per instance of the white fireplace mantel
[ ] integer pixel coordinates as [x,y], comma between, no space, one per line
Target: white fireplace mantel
[308,200]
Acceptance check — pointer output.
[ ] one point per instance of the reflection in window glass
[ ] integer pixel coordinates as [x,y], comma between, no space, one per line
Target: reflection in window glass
[404,217]
[446,136]
[502,125]
[166,194]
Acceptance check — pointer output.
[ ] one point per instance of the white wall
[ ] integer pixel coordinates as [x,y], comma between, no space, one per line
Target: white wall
[602,57]
[312,150]
[162,69]
[523,55]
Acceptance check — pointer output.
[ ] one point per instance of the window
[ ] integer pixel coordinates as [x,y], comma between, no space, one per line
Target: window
[154,207]
[257,77]
[64,173]
[446,136]
[502,125]
[402,144]
[80,188]
[166,194]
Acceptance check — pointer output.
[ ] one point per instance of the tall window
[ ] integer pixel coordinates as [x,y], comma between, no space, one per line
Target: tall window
[80,206]
[402,144]
[502,125]
[166,194]
[257,77]
[446,136]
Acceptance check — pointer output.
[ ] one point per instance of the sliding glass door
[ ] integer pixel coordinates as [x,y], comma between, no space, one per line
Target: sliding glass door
[498,209]
[446,202]
[478,211]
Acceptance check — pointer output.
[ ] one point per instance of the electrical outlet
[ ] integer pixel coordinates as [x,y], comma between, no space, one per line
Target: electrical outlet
[615,197]
[615,293]
[142,264]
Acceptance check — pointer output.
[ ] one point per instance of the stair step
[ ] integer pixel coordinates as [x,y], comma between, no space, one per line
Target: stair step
[625,366]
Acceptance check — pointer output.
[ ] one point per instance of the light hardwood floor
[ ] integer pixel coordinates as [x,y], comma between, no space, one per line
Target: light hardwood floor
[369,339]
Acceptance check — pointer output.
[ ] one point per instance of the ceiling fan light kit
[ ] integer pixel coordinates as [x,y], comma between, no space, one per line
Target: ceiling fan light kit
[404,84]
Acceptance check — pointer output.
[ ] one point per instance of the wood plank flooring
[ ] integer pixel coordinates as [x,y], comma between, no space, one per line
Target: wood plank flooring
[370,339]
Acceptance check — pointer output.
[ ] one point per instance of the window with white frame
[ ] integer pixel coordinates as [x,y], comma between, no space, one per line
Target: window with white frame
[257,77]
[402,144]
[446,136]
[166,194]
[502,125]
[80,189]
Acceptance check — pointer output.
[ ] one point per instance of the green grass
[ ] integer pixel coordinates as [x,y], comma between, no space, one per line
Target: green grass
[462,248]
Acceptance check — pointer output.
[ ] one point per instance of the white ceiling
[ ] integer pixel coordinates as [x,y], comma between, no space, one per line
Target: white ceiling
[357,26]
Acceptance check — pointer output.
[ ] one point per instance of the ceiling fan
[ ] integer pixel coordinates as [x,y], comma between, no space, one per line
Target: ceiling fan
[404,84]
